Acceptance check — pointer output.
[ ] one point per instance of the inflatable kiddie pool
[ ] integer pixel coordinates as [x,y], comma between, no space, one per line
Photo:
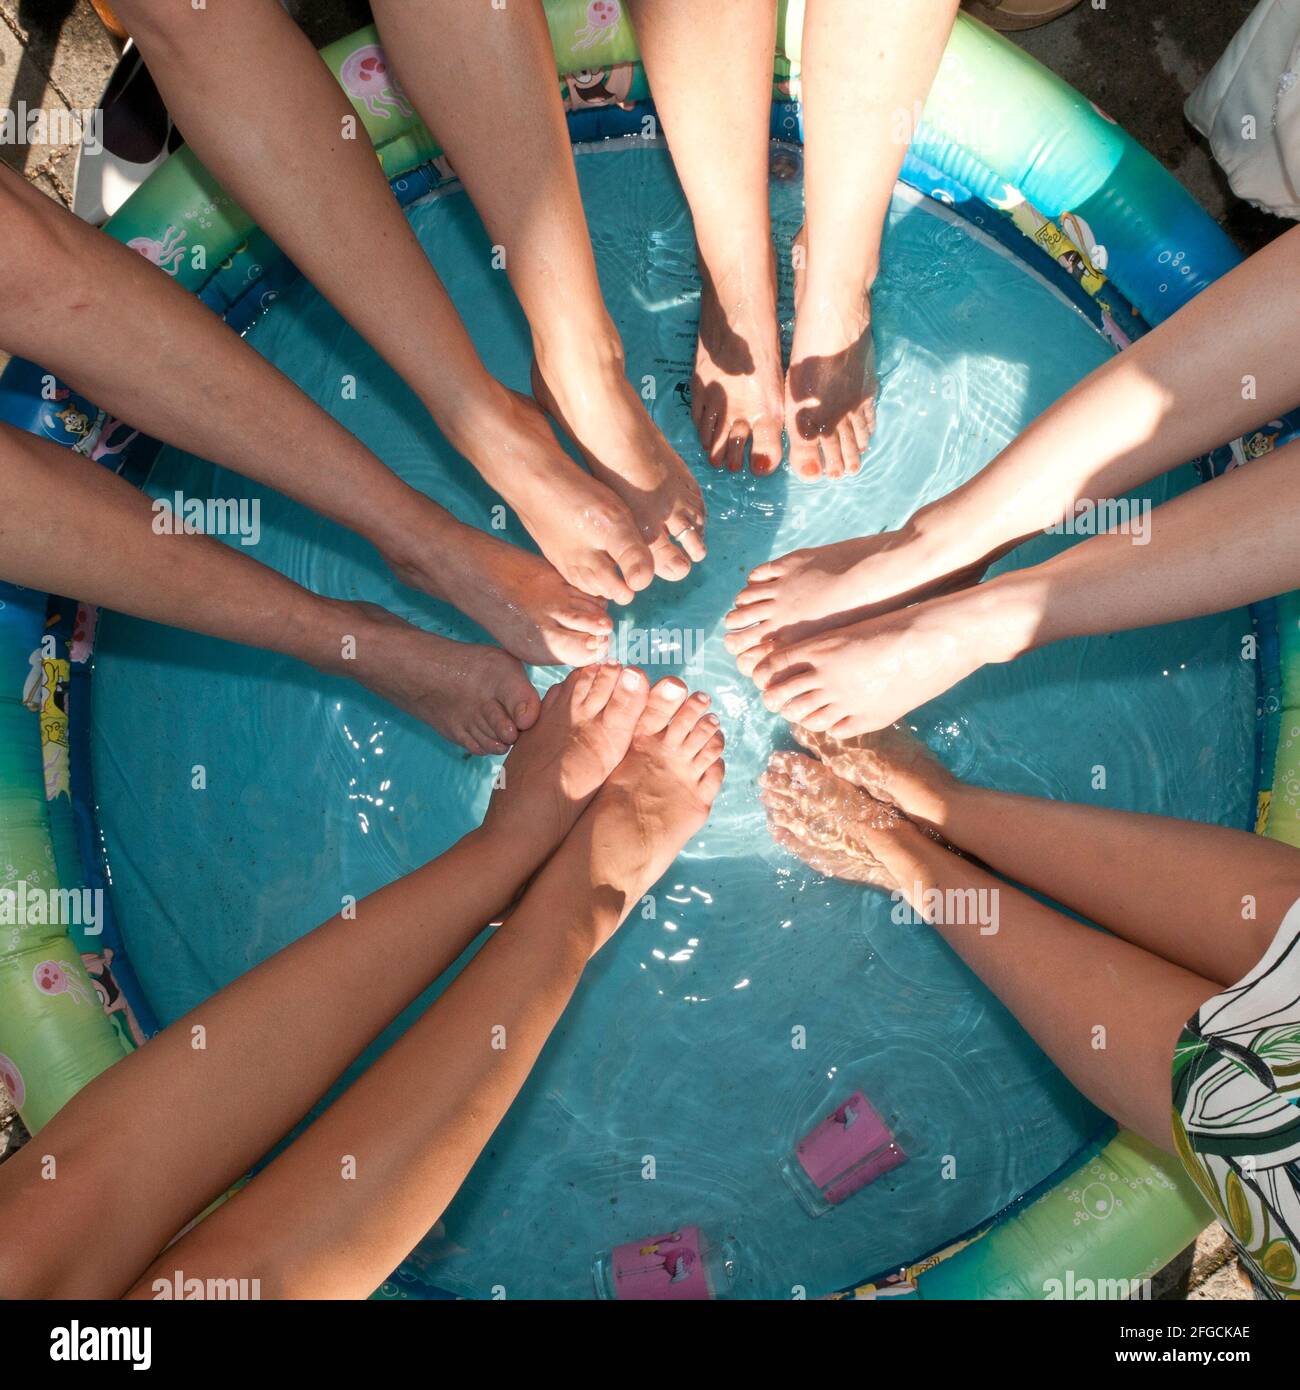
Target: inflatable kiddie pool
[1008,160]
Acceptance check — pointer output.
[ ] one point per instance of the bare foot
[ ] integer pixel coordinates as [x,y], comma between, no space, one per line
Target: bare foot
[868,675]
[829,823]
[891,765]
[516,596]
[475,696]
[583,731]
[737,397]
[582,528]
[653,802]
[595,405]
[808,591]
[831,386]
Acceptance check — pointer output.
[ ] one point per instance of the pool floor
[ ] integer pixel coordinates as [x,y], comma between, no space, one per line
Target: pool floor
[708,1036]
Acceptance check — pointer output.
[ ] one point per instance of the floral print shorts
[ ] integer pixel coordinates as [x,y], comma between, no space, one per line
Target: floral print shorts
[1237,1111]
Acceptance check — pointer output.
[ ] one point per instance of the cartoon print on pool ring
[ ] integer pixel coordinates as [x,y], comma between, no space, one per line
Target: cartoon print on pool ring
[365,77]
[114,437]
[603,17]
[1112,332]
[1254,446]
[12,1080]
[46,691]
[71,424]
[100,969]
[53,977]
[166,253]
[589,87]
[1262,441]
[1093,254]
[1097,1202]
[83,633]
[230,259]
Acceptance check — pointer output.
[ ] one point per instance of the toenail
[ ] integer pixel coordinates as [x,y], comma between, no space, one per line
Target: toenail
[630,679]
[675,692]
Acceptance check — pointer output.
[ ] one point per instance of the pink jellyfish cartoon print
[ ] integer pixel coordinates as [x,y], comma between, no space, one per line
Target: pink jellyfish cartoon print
[12,1080]
[56,977]
[83,633]
[603,17]
[114,436]
[166,253]
[365,75]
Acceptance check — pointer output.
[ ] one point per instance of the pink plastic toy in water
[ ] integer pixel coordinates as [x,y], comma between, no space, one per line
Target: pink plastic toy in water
[850,1148]
[672,1266]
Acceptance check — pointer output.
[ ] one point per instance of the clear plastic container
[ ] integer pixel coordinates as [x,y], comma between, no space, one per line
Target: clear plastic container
[841,1154]
[681,1265]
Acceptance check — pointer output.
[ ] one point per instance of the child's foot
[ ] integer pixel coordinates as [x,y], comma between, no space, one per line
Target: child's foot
[808,591]
[475,696]
[595,405]
[827,822]
[582,528]
[891,765]
[831,386]
[515,595]
[737,394]
[856,679]
[580,737]
[655,800]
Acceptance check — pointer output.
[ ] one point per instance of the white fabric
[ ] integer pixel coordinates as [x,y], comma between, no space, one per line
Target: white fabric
[1248,107]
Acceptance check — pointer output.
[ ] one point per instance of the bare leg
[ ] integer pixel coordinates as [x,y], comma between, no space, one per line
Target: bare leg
[719,135]
[1202,896]
[266,117]
[415,1123]
[866,72]
[514,159]
[1224,544]
[1108,1013]
[212,1093]
[70,526]
[1178,391]
[84,307]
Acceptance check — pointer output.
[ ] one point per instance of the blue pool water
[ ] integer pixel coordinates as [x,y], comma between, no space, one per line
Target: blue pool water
[678,1045]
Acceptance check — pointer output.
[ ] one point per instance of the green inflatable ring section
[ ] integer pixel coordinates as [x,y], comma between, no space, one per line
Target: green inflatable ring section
[1121,1212]
[54,1036]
